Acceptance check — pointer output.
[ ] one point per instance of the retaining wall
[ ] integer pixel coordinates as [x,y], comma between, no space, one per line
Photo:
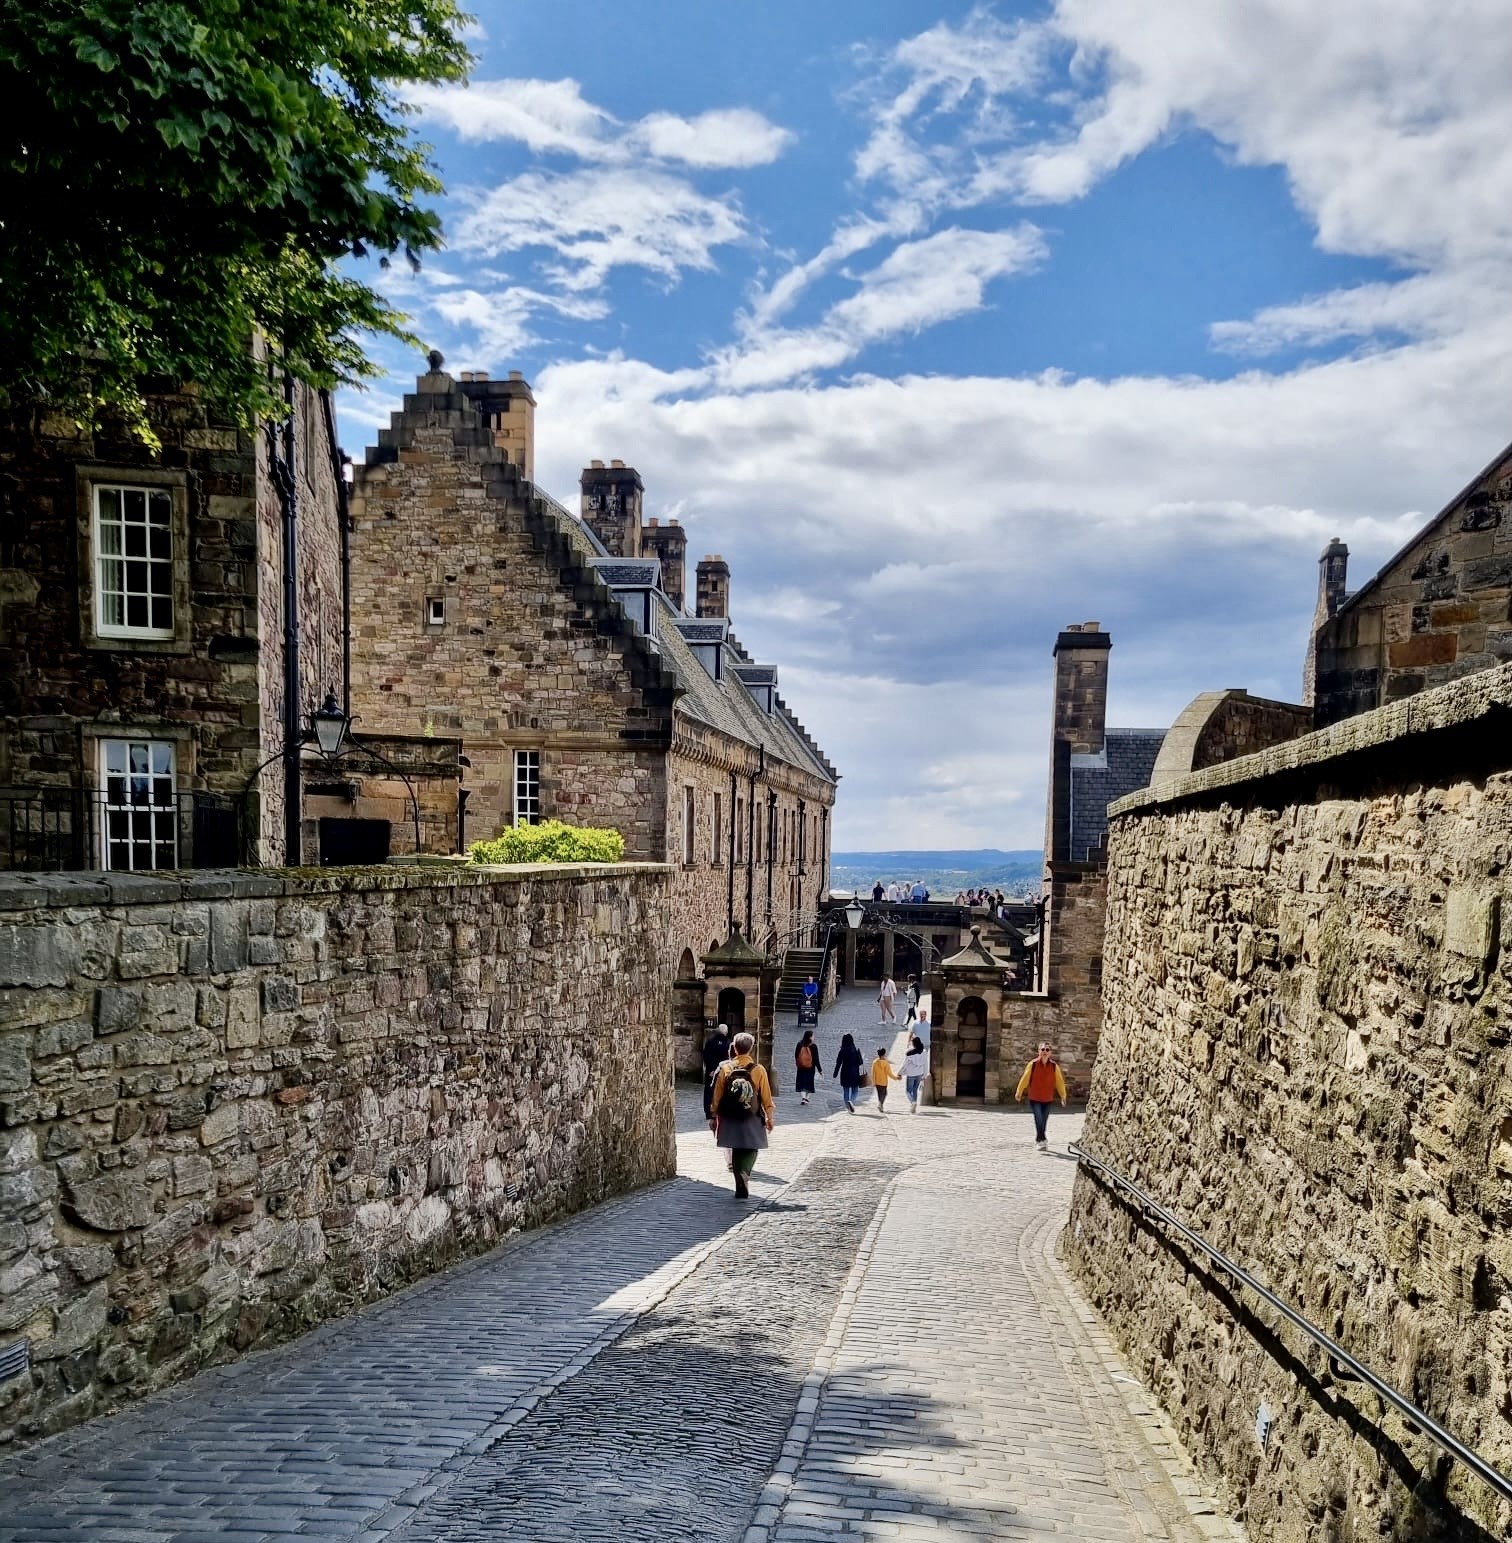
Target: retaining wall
[234,1104]
[1305,1055]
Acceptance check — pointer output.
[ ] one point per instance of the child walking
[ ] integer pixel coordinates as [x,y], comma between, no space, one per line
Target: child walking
[881,1074]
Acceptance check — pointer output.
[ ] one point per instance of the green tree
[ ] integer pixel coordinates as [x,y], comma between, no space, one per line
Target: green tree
[184,175]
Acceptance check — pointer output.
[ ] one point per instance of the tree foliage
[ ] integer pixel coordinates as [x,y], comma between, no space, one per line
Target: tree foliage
[552,841]
[184,175]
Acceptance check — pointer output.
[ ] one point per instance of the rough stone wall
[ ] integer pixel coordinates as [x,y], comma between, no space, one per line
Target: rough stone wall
[1440,609]
[1224,725]
[1305,1056]
[524,657]
[234,1104]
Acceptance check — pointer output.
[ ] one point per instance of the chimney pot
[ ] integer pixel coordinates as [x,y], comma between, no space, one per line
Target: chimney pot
[653,522]
[1091,626]
[598,464]
[513,375]
[617,463]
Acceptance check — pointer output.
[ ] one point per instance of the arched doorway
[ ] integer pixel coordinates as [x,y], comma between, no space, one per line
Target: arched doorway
[687,966]
[971,1048]
[732,1008]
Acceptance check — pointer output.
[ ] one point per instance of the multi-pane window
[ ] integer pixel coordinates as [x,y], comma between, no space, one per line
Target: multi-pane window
[133,543]
[139,825]
[739,830]
[688,822]
[527,787]
[715,831]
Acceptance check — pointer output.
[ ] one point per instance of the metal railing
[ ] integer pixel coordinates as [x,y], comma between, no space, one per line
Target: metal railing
[64,830]
[1343,1364]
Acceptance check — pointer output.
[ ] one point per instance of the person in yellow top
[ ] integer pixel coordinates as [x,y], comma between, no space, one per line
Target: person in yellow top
[1042,1081]
[743,1111]
[881,1074]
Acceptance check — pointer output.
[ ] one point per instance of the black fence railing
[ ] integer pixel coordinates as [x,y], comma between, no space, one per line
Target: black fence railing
[60,830]
[1343,1365]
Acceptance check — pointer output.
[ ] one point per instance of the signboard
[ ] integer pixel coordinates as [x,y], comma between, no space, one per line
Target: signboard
[808,1013]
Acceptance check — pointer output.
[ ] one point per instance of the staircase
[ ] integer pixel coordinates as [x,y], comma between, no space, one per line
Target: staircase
[797,965]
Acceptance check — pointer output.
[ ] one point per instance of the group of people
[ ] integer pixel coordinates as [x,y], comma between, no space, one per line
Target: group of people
[742,1112]
[887,1002]
[987,899]
[897,893]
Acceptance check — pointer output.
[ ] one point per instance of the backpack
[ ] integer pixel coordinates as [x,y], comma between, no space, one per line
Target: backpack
[739,1099]
[805,1056]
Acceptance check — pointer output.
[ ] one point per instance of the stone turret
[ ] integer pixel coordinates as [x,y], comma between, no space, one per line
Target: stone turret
[1333,574]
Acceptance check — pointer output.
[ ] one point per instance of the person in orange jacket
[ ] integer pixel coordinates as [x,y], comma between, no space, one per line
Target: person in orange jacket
[1042,1081]
[743,1109]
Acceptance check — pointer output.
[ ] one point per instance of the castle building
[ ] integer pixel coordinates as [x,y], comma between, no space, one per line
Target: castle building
[557,649]
[168,619]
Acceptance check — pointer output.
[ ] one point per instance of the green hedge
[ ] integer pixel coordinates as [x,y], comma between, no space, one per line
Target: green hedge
[551,842]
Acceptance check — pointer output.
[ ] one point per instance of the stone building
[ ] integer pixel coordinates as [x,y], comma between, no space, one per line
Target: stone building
[152,668]
[558,651]
[1439,609]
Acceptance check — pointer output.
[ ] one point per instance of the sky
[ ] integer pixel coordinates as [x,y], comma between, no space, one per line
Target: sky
[948,325]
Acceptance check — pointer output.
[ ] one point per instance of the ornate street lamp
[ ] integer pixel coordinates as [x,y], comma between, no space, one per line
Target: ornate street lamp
[854,913]
[330,725]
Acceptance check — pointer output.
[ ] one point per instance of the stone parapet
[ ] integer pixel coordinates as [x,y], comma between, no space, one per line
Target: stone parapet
[233,1104]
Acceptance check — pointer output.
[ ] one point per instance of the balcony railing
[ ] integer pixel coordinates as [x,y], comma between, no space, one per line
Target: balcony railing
[52,830]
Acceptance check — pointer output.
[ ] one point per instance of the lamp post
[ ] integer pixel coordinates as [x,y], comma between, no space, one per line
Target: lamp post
[331,730]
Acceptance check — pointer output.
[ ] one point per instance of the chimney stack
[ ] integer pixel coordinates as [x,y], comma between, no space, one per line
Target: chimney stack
[669,542]
[612,497]
[1081,687]
[508,408]
[713,587]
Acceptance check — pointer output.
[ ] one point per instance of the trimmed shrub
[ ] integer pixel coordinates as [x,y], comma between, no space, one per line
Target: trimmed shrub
[552,841]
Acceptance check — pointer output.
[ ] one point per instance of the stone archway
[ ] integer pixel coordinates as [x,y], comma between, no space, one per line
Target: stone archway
[732,1008]
[971,1048]
[687,966]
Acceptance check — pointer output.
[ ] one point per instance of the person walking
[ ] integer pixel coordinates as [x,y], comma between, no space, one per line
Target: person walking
[915,1070]
[886,996]
[848,1070]
[913,1000]
[743,1110]
[881,1074]
[716,1051]
[1042,1081]
[806,1060]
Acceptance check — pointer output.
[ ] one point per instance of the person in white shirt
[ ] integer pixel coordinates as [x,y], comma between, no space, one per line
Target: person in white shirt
[894,894]
[885,999]
[915,1070]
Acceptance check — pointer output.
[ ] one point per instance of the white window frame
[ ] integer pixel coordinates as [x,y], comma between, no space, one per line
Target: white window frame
[526,796]
[435,610]
[690,825]
[138,808]
[158,564]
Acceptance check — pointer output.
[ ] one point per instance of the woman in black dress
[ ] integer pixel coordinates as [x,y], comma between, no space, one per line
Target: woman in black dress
[806,1060]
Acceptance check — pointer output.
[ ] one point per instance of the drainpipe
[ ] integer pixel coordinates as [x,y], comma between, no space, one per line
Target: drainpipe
[344,530]
[293,731]
[755,773]
[730,904]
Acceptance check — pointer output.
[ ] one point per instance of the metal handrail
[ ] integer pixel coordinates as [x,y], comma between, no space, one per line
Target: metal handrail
[1336,1352]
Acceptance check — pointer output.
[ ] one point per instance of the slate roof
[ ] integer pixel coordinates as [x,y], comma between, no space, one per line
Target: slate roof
[725,704]
[1124,766]
[641,572]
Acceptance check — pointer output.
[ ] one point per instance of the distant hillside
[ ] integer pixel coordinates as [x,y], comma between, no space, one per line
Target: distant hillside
[1015,873]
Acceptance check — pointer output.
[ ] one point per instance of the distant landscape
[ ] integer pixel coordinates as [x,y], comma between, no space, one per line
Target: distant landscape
[1015,873]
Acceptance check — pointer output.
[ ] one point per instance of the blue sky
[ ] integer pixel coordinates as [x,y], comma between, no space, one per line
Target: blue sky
[948,325]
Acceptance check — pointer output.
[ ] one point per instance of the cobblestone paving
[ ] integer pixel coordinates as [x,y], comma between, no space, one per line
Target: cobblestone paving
[886,1348]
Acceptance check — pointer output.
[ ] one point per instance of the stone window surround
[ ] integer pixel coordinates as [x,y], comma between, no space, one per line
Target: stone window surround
[716,832]
[87,477]
[185,756]
[690,826]
[515,786]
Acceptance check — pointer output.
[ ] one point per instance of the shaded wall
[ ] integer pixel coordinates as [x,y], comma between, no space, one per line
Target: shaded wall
[1305,1055]
[235,1104]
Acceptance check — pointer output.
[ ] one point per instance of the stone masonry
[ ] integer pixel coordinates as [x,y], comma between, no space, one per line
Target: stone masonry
[234,1104]
[1305,1056]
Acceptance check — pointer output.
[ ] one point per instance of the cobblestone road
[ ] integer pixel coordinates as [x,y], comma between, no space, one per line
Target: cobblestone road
[886,1347]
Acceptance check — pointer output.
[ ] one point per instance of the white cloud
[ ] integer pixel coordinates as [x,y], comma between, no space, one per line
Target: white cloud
[500,320]
[734,137]
[598,219]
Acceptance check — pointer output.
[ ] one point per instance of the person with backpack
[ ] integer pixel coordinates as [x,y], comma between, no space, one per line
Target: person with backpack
[915,1070]
[743,1110]
[716,1051]
[806,1059]
[1042,1081]
[848,1070]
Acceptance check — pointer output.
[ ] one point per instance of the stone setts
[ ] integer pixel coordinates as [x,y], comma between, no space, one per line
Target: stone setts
[1305,1055]
[233,1104]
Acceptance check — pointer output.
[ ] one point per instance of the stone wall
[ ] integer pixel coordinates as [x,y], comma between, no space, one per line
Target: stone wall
[1440,609]
[1224,725]
[1305,1055]
[232,1104]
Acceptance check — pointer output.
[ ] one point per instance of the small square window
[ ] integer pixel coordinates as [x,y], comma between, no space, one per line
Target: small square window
[435,610]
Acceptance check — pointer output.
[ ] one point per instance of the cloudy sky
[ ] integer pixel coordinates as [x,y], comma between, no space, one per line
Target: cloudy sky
[950,324]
